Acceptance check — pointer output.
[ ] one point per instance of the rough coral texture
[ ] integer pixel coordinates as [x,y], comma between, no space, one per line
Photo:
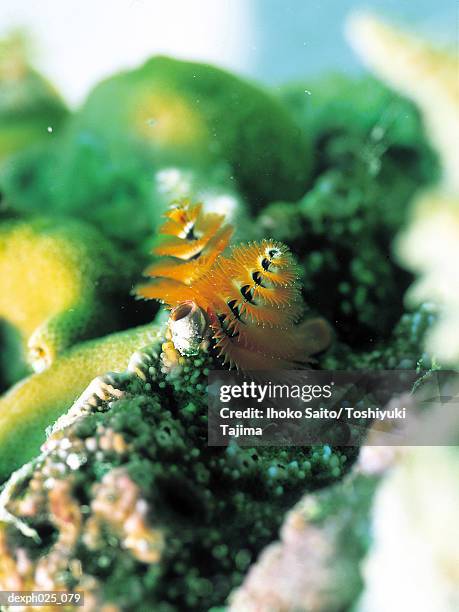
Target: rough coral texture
[338,542]
[169,541]
[315,565]
[368,166]
[404,349]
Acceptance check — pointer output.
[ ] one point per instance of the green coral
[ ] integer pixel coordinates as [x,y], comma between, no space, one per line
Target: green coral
[402,350]
[37,401]
[168,113]
[367,169]
[195,493]
[60,281]
[194,113]
[79,175]
[361,107]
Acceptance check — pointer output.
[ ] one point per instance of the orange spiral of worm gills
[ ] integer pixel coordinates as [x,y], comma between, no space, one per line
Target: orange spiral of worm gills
[252,296]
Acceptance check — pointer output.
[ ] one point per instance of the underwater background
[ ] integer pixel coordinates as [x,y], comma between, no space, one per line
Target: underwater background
[321,141]
[76,43]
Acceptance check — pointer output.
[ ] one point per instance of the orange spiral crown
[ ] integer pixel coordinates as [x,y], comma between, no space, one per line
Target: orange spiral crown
[251,296]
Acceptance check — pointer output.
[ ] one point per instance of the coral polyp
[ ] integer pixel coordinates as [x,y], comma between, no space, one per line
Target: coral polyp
[251,297]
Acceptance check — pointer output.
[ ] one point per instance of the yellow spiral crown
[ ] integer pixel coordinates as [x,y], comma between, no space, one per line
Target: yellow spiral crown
[251,296]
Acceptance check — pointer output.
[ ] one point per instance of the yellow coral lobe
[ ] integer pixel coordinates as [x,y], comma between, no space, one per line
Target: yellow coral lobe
[29,263]
[251,296]
[37,401]
[54,280]
[13,58]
